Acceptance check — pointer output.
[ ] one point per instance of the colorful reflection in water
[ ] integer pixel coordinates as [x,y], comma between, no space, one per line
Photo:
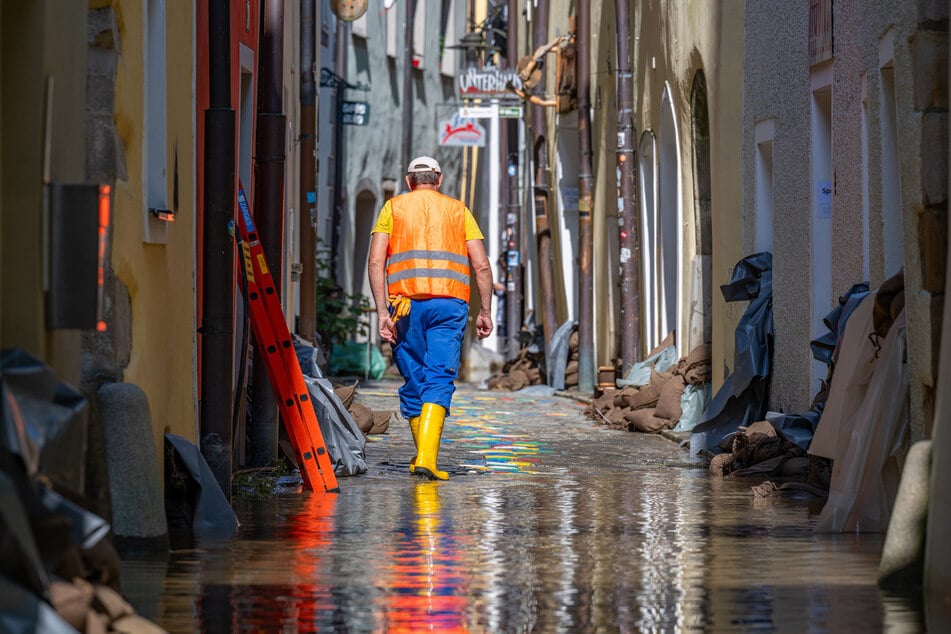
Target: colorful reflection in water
[552,527]
[425,580]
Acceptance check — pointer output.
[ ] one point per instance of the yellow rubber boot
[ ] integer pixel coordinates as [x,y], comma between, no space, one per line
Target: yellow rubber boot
[431,421]
[414,428]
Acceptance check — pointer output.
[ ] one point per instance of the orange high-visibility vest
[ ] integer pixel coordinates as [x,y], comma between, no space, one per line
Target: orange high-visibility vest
[427,251]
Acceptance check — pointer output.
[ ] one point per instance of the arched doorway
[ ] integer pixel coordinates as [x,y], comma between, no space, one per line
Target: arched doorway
[700,289]
[647,184]
[364,218]
[670,220]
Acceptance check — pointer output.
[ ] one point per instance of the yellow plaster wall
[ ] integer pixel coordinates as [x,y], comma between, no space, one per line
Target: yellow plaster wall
[674,40]
[160,277]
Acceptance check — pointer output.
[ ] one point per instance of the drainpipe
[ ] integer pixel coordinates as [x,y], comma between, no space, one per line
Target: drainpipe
[513,277]
[269,214]
[407,146]
[307,324]
[546,275]
[585,203]
[340,69]
[217,334]
[629,241]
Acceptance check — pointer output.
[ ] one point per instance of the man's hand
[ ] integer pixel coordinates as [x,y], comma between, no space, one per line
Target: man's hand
[483,324]
[387,328]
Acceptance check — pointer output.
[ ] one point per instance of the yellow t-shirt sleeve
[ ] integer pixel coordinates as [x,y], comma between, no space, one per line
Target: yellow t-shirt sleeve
[472,227]
[384,222]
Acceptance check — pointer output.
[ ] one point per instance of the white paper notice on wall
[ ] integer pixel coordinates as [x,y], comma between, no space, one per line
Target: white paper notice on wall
[824,199]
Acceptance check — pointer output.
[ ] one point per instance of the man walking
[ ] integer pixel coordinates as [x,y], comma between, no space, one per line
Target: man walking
[420,252]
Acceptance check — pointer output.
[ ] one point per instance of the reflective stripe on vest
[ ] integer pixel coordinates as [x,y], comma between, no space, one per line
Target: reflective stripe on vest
[428,255]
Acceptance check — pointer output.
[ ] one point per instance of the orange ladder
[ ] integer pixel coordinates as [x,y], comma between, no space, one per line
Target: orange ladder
[274,341]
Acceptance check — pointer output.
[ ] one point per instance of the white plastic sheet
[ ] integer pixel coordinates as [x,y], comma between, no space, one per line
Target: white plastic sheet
[865,473]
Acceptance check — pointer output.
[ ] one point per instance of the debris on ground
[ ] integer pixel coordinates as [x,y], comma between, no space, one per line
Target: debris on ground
[762,451]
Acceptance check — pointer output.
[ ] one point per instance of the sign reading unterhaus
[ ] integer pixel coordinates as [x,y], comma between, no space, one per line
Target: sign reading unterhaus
[486,83]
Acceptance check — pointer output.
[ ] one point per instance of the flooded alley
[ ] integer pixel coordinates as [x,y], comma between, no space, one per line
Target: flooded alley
[549,523]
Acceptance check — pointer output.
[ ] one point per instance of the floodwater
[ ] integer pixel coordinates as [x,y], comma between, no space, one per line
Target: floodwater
[548,524]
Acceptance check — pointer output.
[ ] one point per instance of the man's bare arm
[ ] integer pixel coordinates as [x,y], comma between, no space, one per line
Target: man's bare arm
[483,273]
[376,270]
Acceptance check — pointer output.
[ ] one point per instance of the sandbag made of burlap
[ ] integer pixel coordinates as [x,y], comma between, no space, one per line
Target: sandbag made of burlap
[622,397]
[346,393]
[362,416]
[645,397]
[695,367]
[668,404]
[617,417]
[645,421]
[659,377]
[381,422]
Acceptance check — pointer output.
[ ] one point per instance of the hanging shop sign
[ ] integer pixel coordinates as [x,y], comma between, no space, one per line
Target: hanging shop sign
[479,112]
[461,132]
[487,83]
[355,112]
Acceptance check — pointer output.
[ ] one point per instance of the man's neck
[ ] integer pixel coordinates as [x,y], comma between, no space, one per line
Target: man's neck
[428,186]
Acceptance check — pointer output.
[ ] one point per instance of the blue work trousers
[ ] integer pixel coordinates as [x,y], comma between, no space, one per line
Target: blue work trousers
[427,350]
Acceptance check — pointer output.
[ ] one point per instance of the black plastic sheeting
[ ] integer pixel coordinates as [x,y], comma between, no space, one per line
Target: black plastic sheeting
[52,435]
[744,396]
[194,500]
[346,444]
[42,435]
[824,346]
[800,428]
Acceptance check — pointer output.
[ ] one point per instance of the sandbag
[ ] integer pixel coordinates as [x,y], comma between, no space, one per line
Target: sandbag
[668,404]
[645,397]
[645,421]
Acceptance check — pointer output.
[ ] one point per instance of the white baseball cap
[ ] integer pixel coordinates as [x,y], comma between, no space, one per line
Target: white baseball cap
[423,164]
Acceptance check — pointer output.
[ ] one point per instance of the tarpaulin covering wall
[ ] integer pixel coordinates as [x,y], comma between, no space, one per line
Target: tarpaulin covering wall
[744,396]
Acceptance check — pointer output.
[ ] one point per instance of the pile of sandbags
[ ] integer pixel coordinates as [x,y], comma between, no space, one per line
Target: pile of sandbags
[529,367]
[655,406]
[571,368]
[369,421]
[524,370]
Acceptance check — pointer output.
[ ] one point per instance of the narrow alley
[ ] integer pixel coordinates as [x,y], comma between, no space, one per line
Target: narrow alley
[549,523]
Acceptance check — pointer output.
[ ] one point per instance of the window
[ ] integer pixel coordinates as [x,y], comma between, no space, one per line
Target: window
[449,62]
[892,241]
[419,35]
[155,150]
[392,23]
[650,291]
[359,26]
[822,199]
[763,222]
[866,238]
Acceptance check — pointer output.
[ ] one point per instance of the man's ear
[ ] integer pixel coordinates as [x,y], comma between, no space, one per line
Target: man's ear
[409,185]
[439,182]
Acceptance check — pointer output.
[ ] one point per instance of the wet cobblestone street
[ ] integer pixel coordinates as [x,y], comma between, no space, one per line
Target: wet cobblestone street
[549,523]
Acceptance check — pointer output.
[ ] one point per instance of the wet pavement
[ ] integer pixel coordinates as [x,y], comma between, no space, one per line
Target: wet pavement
[549,523]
